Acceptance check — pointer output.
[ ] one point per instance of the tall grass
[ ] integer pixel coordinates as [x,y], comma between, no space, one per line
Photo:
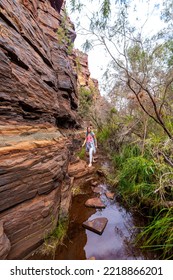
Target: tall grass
[139,179]
[158,235]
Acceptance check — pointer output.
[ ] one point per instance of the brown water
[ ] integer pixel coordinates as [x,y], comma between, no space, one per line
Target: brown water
[116,242]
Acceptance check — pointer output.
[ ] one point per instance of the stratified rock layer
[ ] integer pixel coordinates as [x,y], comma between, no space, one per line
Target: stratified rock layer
[38,93]
[4,243]
[33,185]
[38,101]
[37,81]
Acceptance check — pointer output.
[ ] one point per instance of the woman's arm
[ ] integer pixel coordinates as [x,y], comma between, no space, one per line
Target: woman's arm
[84,143]
[95,141]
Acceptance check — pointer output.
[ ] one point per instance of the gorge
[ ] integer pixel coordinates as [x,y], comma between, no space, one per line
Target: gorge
[38,113]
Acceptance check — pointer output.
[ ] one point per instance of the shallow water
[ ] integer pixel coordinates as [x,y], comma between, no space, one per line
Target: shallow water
[115,243]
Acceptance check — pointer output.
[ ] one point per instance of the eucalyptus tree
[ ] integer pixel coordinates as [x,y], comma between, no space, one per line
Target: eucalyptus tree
[142,62]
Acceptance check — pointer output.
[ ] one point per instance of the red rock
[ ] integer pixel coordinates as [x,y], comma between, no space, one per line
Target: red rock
[42,85]
[94,183]
[91,258]
[97,189]
[95,203]
[110,195]
[26,227]
[38,93]
[4,243]
[96,225]
[77,168]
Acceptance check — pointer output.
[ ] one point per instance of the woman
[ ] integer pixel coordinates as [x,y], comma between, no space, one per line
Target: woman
[91,144]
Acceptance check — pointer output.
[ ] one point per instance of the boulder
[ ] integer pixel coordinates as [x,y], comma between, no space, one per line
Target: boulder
[95,203]
[97,189]
[110,195]
[96,225]
[94,184]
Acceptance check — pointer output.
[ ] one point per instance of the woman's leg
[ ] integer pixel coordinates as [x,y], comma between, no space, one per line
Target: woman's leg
[90,156]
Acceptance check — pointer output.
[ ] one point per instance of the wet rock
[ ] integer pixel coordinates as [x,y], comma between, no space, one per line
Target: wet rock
[95,203]
[110,195]
[94,183]
[97,189]
[92,258]
[97,225]
[4,243]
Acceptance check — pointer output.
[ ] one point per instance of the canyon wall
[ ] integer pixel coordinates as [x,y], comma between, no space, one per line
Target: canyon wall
[38,103]
[38,113]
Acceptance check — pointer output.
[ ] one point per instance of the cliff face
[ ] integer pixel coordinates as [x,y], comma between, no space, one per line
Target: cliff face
[80,61]
[38,96]
[38,110]
[37,80]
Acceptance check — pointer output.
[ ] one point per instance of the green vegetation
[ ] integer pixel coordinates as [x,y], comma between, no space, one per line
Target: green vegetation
[158,235]
[138,131]
[81,153]
[144,181]
[55,238]
[85,101]
[63,36]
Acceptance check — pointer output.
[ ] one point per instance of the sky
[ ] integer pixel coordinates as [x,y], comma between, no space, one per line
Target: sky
[138,14]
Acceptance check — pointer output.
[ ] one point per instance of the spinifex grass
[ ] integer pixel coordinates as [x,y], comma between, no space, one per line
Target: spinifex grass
[158,235]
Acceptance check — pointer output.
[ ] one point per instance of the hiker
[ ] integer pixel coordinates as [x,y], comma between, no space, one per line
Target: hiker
[91,144]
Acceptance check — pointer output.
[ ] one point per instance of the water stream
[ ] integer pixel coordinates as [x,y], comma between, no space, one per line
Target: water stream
[116,242]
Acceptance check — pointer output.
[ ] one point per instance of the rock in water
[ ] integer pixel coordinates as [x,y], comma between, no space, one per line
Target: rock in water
[110,195]
[97,225]
[97,189]
[95,202]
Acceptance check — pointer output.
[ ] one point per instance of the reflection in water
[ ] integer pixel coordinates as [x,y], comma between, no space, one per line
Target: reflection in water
[116,241]
[113,243]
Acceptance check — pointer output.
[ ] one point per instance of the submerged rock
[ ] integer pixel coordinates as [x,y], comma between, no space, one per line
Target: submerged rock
[97,225]
[95,202]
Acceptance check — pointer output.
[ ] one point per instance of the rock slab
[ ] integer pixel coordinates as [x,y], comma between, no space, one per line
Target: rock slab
[97,225]
[95,203]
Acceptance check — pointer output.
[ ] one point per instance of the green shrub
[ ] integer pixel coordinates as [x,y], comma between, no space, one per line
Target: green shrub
[104,134]
[128,151]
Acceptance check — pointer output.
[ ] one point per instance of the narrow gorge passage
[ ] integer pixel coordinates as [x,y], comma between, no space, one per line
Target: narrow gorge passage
[116,241]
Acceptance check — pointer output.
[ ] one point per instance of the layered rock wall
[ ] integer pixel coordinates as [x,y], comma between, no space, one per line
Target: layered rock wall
[38,96]
[37,80]
[38,106]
